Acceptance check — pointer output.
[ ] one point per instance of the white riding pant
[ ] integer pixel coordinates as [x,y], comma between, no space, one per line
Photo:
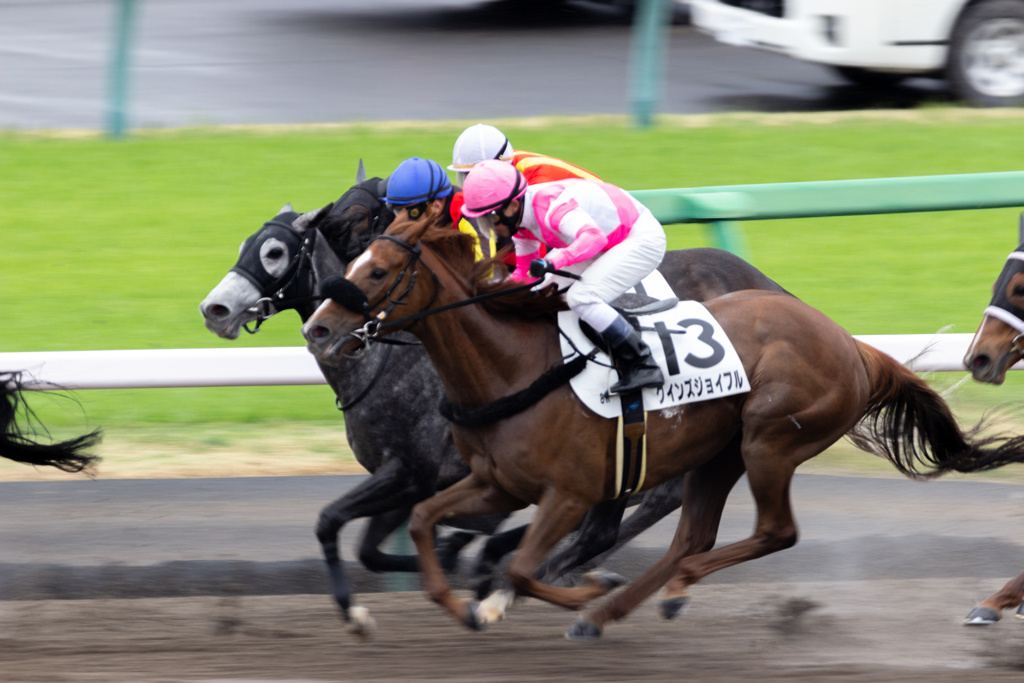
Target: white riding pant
[609,275]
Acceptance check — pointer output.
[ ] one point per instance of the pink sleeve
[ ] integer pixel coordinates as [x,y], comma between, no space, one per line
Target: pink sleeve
[589,242]
[526,251]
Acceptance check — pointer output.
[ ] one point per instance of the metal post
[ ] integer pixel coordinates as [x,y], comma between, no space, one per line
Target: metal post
[728,235]
[119,69]
[650,26]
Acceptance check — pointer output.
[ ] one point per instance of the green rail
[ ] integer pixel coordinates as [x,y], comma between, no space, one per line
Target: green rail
[722,205]
[835,198]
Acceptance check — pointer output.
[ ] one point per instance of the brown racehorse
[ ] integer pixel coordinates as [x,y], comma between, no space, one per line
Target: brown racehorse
[811,383]
[997,345]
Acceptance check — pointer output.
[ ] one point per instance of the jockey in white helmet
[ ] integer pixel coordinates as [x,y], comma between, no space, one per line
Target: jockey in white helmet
[596,230]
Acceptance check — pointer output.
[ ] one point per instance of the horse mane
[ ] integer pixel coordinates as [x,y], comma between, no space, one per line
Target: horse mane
[457,250]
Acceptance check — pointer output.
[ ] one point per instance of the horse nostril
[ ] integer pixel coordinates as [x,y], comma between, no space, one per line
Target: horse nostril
[218,311]
[980,362]
[319,332]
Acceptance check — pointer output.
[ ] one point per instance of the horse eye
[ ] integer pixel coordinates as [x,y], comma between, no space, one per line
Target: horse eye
[378,273]
[1018,290]
[276,252]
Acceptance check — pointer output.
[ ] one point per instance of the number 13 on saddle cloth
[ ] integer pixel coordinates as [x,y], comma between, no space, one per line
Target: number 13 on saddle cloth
[696,357]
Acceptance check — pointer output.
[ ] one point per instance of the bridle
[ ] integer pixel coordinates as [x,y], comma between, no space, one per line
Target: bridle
[347,295]
[372,330]
[1003,309]
[298,271]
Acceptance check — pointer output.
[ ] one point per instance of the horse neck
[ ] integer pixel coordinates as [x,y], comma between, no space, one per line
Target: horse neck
[480,357]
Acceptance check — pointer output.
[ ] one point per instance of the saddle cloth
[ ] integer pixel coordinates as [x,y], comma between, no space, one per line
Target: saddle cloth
[698,366]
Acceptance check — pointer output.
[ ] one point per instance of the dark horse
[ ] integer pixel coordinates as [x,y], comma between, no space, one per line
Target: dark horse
[69,456]
[810,384]
[390,395]
[997,345]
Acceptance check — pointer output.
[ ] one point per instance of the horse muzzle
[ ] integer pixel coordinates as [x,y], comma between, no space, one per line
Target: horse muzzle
[329,344]
[991,368]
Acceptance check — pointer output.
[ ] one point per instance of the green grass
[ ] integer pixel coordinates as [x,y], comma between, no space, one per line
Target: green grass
[110,245]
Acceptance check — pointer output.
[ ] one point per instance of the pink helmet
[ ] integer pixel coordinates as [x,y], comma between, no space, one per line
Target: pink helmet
[491,186]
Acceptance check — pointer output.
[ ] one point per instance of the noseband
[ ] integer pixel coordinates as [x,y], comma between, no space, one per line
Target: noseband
[1002,308]
[343,292]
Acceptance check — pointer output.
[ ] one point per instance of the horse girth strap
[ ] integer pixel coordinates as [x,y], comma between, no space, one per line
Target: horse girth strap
[630,445]
[513,404]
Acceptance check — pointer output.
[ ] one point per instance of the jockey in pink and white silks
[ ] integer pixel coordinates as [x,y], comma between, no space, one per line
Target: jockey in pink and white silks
[593,229]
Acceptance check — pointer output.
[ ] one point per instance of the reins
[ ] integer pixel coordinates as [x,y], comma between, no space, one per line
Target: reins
[375,326]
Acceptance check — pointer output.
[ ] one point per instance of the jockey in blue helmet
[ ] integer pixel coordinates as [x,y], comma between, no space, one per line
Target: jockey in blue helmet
[416,185]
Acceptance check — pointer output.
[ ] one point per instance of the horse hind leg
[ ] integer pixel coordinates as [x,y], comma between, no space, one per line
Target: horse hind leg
[769,475]
[989,610]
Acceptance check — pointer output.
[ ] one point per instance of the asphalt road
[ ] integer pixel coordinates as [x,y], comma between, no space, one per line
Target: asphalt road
[293,61]
[152,538]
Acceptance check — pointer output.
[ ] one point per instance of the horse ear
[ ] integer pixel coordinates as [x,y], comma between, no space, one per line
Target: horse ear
[285,209]
[312,219]
[360,173]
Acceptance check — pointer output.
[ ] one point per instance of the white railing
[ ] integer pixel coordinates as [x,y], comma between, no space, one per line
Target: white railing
[293,365]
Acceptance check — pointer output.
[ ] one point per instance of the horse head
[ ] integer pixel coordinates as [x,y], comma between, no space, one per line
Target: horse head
[280,261]
[999,341]
[386,281]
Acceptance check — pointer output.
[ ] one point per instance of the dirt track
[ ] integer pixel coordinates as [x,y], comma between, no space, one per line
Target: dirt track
[905,630]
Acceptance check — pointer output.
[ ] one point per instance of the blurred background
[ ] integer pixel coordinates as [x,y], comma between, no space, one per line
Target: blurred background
[197,62]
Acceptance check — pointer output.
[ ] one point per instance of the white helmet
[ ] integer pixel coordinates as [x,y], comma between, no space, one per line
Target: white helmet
[479,143]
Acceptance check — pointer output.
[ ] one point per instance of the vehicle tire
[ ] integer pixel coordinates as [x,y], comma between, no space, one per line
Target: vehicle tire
[986,54]
[873,79]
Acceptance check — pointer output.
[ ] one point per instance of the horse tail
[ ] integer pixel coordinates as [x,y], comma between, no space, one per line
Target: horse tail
[908,423]
[69,455]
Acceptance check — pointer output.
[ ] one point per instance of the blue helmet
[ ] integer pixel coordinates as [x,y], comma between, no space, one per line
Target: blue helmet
[416,181]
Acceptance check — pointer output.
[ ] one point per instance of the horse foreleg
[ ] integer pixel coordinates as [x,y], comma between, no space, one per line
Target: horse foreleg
[391,486]
[469,497]
[989,610]
[496,547]
[598,533]
[775,530]
[557,514]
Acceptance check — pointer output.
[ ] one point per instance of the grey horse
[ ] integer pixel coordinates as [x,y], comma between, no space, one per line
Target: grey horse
[390,398]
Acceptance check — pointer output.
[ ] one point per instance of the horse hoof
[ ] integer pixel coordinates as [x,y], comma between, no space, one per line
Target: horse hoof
[605,579]
[583,630]
[981,616]
[1020,612]
[673,607]
[469,615]
[361,623]
[495,606]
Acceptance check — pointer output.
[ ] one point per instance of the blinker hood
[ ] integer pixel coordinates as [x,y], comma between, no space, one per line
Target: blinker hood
[249,264]
[344,293]
[1000,306]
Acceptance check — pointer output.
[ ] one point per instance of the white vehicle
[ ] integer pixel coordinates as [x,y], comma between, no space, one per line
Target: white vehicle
[977,44]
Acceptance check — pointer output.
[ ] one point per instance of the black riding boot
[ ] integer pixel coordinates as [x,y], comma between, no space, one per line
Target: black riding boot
[632,357]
